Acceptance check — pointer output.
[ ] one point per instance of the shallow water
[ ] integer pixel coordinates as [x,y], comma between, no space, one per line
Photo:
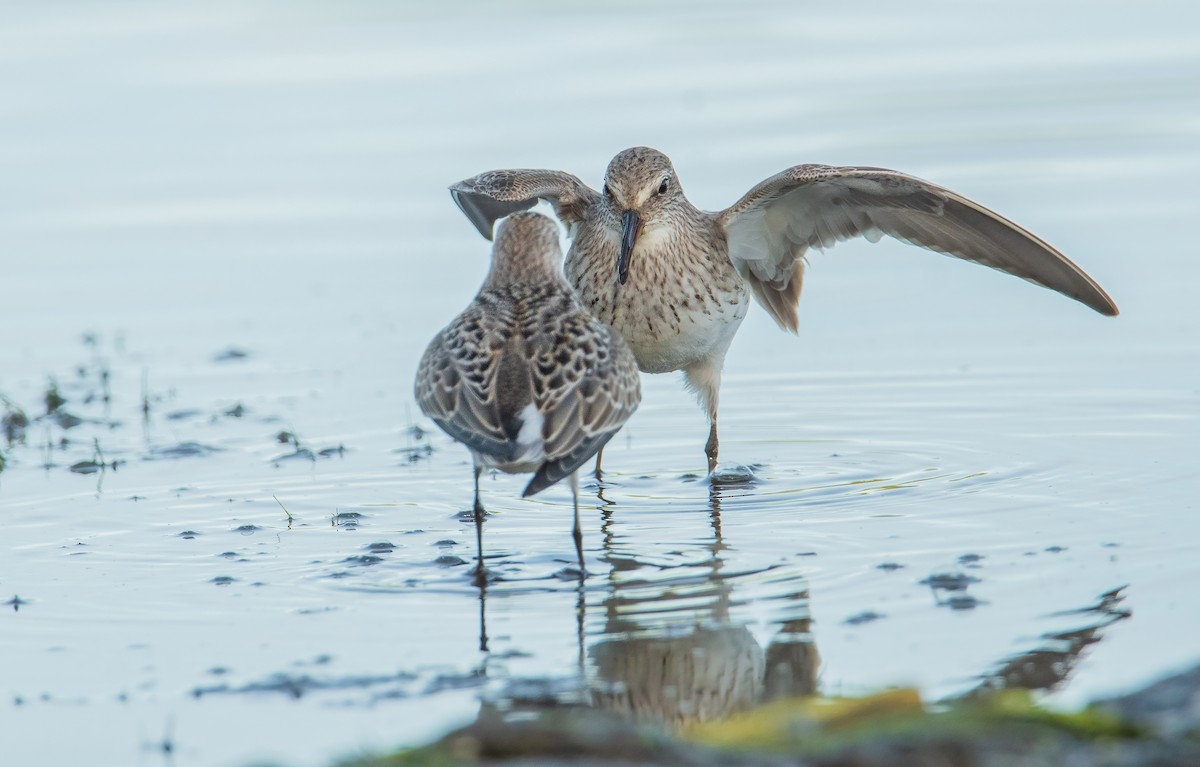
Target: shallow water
[269,179]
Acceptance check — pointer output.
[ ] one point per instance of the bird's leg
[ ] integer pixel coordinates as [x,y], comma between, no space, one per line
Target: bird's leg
[710,447]
[704,378]
[577,531]
[599,474]
[480,573]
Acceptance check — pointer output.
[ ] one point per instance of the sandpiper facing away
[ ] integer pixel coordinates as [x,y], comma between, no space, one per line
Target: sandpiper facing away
[525,377]
[675,280]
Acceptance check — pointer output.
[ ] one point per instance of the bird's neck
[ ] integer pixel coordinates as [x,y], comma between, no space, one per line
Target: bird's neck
[678,232]
[519,268]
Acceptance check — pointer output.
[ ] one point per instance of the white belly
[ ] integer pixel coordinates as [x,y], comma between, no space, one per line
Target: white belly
[676,344]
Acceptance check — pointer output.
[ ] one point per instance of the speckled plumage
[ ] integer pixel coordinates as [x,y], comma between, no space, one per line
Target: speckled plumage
[677,286]
[525,377]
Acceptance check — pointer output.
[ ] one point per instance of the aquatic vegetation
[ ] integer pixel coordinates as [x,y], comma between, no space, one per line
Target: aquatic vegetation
[891,728]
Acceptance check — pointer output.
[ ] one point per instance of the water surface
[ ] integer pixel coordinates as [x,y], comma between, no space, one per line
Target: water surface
[232,220]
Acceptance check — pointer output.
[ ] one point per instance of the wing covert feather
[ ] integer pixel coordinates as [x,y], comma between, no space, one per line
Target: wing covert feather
[488,197]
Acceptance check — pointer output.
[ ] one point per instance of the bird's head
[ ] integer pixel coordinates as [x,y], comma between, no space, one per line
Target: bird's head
[641,188]
[526,249]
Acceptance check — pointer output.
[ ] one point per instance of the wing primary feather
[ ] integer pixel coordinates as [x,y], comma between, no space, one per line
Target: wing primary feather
[818,206]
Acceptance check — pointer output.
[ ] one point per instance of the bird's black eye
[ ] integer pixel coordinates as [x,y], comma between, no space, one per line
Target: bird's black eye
[662,188]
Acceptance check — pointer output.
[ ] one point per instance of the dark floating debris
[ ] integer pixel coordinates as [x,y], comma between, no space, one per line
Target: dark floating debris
[466,681]
[87,467]
[247,529]
[949,581]
[65,420]
[237,411]
[889,567]
[188,534]
[297,686]
[956,583]
[362,560]
[181,450]
[347,518]
[223,580]
[1055,549]
[867,616]
[302,452]
[53,399]
[14,422]
[418,451]
[180,415]
[1049,663]
[963,602]
[380,547]
[970,560]
[97,463]
[449,560]
[231,354]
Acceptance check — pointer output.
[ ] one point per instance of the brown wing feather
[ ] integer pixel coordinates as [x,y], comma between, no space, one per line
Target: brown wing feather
[488,197]
[590,391]
[773,225]
[455,384]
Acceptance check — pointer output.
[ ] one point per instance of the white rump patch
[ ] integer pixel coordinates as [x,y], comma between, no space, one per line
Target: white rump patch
[530,434]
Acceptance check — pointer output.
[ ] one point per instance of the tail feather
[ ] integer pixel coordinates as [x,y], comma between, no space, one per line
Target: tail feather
[551,472]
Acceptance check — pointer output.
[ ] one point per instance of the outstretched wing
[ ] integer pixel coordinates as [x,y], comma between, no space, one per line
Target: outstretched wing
[491,196]
[817,206]
[585,397]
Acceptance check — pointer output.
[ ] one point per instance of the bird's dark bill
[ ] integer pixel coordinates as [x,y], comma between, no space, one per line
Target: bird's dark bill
[631,226]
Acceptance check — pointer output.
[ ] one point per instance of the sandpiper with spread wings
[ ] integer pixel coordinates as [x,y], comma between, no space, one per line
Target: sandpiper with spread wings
[675,280]
[525,377]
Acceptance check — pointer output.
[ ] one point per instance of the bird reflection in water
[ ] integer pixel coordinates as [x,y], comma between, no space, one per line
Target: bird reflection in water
[672,650]
[667,643]
[666,639]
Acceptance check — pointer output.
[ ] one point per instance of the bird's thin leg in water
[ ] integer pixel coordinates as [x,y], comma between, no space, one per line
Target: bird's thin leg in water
[577,532]
[580,622]
[483,637]
[480,574]
[599,473]
[710,447]
[704,378]
[714,503]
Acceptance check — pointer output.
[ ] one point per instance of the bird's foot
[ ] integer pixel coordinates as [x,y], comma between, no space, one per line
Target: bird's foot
[737,474]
